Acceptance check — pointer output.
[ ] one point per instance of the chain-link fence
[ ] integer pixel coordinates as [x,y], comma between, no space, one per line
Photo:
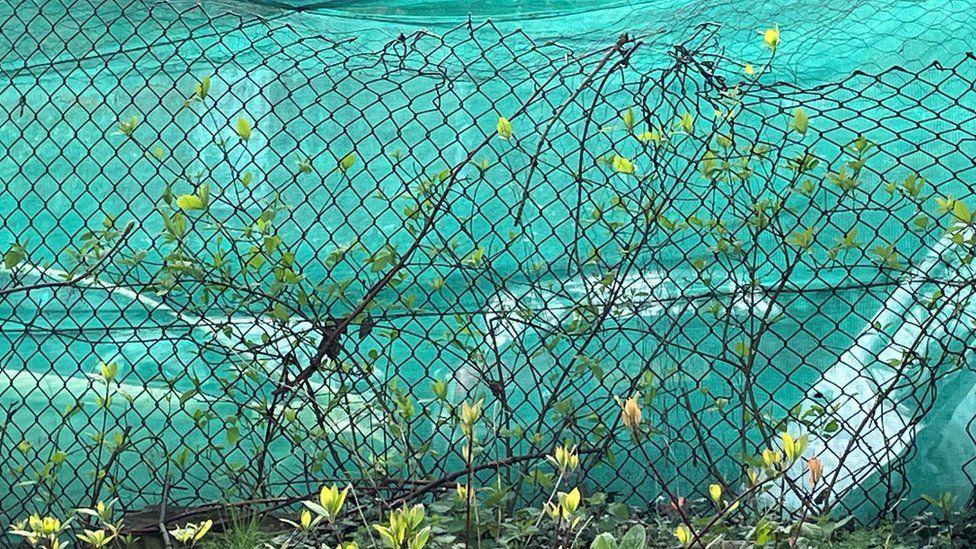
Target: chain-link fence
[243,258]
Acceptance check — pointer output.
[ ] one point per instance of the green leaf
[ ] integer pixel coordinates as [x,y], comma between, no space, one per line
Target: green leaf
[347,162]
[232,434]
[800,121]
[944,205]
[243,129]
[741,348]
[802,239]
[126,127]
[913,184]
[280,312]
[604,541]
[651,136]
[850,240]
[887,256]
[628,118]
[622,165]
[504,128]
[475,257]
[202,88]
[187,395]
[619,510]
[180,458]
[382,258]
[189,202]
[635,538]
[14,256]
[175,226]
[108,371]
[961,212]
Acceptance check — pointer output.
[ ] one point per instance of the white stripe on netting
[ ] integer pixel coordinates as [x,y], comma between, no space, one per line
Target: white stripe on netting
[855,385]
[240,328]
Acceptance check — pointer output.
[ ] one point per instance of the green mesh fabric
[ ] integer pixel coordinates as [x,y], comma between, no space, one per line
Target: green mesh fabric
[535,324]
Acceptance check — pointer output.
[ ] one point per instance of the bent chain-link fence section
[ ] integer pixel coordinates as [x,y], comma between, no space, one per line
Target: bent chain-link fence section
[242,258]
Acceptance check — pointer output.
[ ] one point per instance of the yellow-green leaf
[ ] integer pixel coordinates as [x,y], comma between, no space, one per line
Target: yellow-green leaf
[280,312]
[202,88]
[944,205]
[650,136]
[741,348]
[504,128]
[961,212]
[887,256]
[189,202]
[771,38]
[13,256]
[243,129]
[800,121]
[232,434]
[347,162]
[628,118]
[622,165]
[126,127]
[849,240]
[108,371]
[475,257]
[802,239]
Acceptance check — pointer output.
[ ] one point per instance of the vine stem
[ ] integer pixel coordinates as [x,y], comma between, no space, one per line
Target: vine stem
[274,504]
[78,278]
[333,334]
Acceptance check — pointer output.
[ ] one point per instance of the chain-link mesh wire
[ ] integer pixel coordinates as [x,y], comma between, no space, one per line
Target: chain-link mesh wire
[657,224]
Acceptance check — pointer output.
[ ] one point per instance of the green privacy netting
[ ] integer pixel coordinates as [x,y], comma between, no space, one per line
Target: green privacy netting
[505,296]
